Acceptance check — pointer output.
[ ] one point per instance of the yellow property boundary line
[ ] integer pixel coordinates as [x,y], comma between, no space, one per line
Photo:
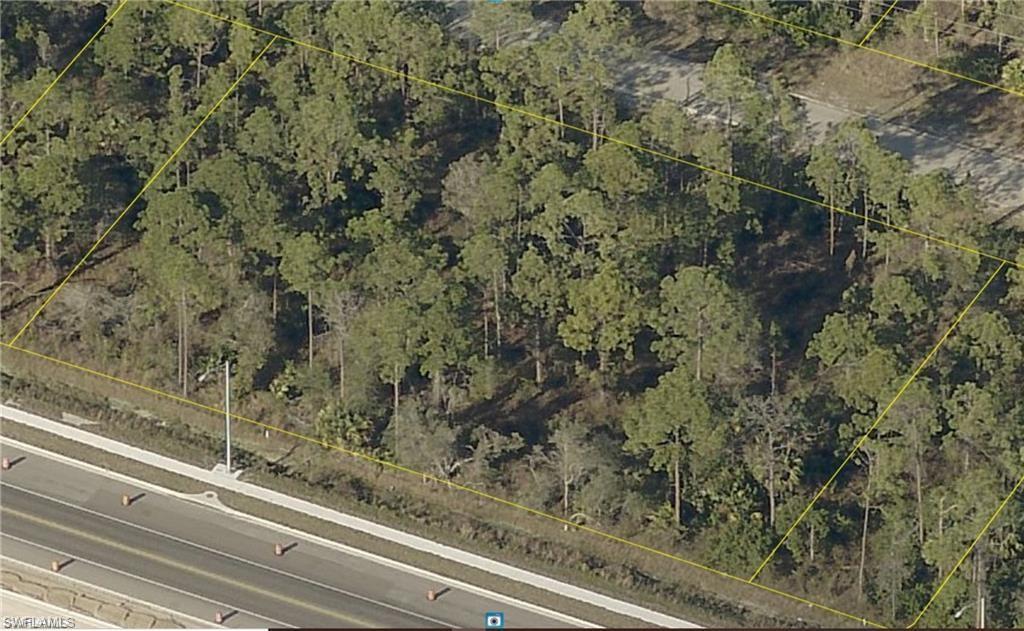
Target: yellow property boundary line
[967,552]
[530,114]
[878,23]
[429,476]
[908,60]
[110,18]
[624,143]
[867,434]
[275,36]
[142,191]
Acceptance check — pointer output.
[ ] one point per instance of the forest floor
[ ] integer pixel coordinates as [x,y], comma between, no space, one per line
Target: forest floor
[279,463]
[304,464]
[933,120]
[304,469]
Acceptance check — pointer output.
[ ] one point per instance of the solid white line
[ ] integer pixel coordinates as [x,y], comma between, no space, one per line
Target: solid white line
[184,617]
[390,534]
[398,565]
[220,605]
[228,555]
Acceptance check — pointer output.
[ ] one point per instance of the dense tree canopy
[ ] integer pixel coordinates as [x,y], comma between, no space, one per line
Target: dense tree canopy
[414,274]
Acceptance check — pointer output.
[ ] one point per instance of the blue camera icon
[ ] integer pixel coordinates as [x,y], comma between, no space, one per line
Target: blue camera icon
[494,620]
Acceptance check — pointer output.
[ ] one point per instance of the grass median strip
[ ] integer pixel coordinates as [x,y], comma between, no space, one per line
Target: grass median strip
[311,525]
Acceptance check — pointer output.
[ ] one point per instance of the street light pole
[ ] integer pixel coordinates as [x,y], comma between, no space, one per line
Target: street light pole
[227,414]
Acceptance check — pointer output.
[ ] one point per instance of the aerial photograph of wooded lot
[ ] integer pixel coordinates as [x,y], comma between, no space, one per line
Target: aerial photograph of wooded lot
[715,307]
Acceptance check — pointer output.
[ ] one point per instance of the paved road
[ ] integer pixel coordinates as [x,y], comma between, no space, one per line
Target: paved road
[195,559]
[507,573]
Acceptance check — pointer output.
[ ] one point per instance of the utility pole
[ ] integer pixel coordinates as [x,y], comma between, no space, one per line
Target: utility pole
[981,612]
[227,414]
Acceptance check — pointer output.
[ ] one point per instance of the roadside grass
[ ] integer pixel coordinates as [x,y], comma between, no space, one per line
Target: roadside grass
[351,484]
[425,509]
[312,525]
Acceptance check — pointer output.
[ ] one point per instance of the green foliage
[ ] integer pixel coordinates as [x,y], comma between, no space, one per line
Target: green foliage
[706,326]
[418,276]
[825,17]
[604,315]
[494,23]
[285,385]
[863,371]
[484,378]
[424,440]
[728,79]
[302,262]
[672,423]
[739,544]
[351,430]
[1013,74]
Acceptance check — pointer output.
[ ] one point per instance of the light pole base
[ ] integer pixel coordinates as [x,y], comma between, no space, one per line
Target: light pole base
[219,468]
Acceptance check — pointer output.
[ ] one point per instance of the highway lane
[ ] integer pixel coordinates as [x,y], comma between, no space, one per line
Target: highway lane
[258,588]
[188,548]
[107,583]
